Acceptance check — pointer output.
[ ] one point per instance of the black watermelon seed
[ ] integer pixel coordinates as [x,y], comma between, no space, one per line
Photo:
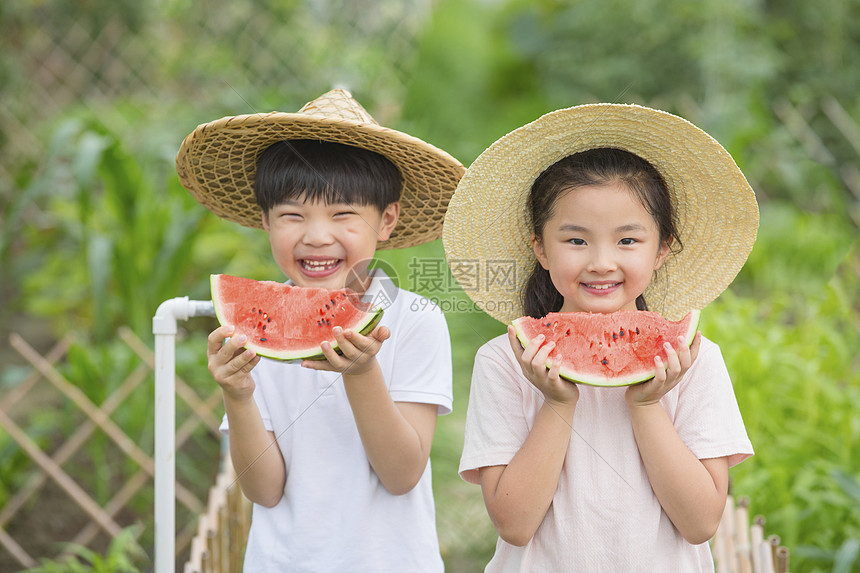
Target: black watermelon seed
[604,361]
[614,336]
[262,340]
[621,333]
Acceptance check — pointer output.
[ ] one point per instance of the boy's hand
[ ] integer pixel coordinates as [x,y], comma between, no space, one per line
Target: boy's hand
[359,352]
[230,364]
[678,363]
[532,361]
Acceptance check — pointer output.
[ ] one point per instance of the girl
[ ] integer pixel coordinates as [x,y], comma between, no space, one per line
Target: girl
[578,478]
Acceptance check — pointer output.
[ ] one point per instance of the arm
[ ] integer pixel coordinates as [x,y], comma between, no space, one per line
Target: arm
[255,455]
[519,494]
[692,492]
[397,436]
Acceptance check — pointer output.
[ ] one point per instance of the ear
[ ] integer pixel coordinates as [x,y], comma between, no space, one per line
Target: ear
[388,221]
[537,247]
[265,217]
[663,253]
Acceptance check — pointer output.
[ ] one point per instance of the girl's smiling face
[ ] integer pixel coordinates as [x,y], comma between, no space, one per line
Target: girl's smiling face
[601,248]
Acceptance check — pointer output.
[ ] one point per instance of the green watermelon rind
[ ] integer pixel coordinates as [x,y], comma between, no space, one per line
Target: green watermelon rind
[606,382]
[364,331]
[297,356]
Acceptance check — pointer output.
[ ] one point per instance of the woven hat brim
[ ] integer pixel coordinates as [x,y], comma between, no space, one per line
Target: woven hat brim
[488,223]
[218,160]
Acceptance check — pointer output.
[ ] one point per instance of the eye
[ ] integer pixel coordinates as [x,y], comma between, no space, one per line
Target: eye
[341,210]
[627,241]
[282,213]
[578,242]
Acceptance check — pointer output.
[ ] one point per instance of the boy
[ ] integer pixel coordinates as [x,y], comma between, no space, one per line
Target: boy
[348,486]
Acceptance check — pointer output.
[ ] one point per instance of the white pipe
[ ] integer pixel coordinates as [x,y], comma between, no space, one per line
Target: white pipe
[164,329]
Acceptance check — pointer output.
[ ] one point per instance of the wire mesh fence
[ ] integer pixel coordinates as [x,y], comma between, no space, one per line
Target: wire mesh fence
[135,63]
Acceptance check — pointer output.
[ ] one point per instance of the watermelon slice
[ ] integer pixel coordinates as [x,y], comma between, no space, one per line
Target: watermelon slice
[288,322]
[616,349]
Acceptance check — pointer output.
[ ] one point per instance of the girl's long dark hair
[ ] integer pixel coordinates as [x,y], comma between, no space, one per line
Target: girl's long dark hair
[601,166]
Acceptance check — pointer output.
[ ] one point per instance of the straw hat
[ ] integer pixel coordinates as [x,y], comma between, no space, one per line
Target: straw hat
[218,160]
[488,224]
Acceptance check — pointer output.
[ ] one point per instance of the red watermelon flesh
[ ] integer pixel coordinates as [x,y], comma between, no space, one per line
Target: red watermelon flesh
[288,322]
[616,349]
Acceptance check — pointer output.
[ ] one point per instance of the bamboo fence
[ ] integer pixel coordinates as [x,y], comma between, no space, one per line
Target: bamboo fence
[742,547]
[222,530]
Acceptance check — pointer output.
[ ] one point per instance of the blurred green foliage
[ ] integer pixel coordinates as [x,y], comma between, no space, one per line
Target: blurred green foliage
[797,377]
[95,231]
[123,555]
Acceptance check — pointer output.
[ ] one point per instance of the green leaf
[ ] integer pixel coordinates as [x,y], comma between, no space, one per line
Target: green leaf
[99,255]
[846,556]
[848,484]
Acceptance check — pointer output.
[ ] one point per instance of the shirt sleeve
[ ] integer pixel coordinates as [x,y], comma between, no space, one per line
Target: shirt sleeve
[496,424]
[421,364]
[708,418]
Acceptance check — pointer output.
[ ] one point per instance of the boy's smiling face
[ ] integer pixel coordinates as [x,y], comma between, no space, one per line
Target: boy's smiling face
[327,245]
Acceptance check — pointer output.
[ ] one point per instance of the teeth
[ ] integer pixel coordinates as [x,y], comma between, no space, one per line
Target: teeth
[600,287]
[318,265]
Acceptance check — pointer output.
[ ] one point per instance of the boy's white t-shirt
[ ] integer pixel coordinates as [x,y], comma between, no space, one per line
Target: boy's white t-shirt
[604,515]
[335,515]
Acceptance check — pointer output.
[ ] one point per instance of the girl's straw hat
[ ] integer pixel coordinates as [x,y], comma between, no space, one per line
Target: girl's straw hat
[487,227]
[218,160]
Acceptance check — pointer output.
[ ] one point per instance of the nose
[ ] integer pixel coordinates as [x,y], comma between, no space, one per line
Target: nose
[602,261]
[317,234]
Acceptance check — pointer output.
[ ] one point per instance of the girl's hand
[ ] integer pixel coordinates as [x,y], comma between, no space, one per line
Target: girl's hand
[359,352]
[668,373]
[532,361]
[230,364]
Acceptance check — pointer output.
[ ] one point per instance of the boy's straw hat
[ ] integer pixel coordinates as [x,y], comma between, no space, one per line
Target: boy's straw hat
[487,227]
[218,160]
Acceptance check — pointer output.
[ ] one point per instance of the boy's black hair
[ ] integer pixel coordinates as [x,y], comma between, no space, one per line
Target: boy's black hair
[599,166]
[312,170]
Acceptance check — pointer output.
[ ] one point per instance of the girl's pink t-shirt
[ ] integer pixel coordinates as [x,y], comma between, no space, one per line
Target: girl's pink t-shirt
[604,515]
